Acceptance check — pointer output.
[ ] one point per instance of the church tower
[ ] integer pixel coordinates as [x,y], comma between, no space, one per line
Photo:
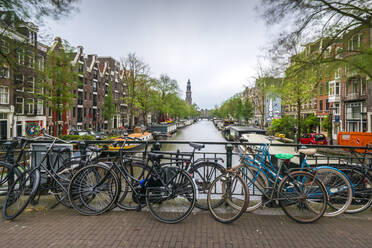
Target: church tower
[188,93]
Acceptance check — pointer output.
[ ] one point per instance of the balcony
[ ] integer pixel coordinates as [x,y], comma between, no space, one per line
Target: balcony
[352,96]
[333,98]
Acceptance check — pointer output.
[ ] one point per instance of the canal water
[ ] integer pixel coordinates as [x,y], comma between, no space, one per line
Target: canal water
[203,130]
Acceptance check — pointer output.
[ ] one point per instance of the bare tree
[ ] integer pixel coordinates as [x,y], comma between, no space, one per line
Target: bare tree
[134,72]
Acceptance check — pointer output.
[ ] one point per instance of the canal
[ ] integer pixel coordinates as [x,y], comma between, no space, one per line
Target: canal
[203,130]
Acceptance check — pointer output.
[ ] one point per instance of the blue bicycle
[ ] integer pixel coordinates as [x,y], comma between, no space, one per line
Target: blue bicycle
[263,171]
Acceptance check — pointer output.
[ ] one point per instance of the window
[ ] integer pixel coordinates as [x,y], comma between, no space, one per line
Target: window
[18,82]
[4,72]
[30,106]
[4,46]
[336,109]
[81,68]
[31,84]
[338,73]
[79,115]
[80,98]
[320,107]
[363,86]
[32,37]
[334,88]
[31,60]
[39,107]
[41,63]
[338,52]
[355,42]
[19,105]
[4,95]
[327,104]
[21,56]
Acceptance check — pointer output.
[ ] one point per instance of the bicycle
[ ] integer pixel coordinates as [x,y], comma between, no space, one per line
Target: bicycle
[29,183]
[164,188]
[339,188]
[300,194]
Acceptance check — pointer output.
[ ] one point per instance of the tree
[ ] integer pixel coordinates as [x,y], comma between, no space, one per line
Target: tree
[166,88]
[310,123]
[109,110]
[326,21]
[16,14]
[58,82]
[146,97]
[134,71]
[298,87]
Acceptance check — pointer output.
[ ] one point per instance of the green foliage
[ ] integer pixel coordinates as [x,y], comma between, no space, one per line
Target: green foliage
[310,123]
[108,106]
[327,124]
[235,108]
[285,125]
[77,137]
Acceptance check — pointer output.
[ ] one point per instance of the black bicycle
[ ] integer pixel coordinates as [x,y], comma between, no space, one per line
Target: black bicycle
[168,191]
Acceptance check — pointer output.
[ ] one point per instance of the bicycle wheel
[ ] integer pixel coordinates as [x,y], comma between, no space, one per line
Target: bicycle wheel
[338,188]
[234,192]
[7,179]
[65,174]
[257,183]
[204,174]
[20,194]
[302,197]
[94,189]
[137,172]
[174,200]
[362,186]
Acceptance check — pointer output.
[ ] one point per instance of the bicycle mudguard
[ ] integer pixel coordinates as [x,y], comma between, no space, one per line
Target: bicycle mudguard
[333,168]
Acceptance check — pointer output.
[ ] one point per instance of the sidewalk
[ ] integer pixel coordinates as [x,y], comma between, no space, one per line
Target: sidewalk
[66,228]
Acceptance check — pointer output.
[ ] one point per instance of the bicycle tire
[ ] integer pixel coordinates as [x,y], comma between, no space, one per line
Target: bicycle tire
[20,194]
[340,193]
[362,186]
[203,174]
[235,204]
[257,183]
[94,189]
[66,173]
[167,202]
[5,181]
[126,199]
[298,206]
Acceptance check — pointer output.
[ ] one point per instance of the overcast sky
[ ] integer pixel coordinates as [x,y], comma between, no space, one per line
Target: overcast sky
[215,43]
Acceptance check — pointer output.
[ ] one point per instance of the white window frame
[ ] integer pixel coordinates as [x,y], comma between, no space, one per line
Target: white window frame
[23,83]
[33,85]
[41,63]
[4,94]
[4,46]
[30,106]
[3,68]
[39,107]
[351,45]
[23,106]
[21,57]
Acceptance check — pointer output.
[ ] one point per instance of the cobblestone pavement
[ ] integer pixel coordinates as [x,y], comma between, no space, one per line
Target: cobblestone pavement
[66,228]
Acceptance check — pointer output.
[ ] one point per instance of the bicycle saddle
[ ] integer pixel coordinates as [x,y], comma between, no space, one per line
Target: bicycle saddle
[196,146]
[154,156]
[310,151]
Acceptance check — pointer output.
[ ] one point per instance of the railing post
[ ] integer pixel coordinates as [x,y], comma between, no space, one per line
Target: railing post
[83,151]
[229,148]
[156,146]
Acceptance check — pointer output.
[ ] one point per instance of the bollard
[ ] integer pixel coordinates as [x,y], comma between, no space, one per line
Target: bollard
[229,149]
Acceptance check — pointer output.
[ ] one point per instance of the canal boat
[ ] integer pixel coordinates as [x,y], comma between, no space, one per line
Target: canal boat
[236,132]
[137,135]
[165,128]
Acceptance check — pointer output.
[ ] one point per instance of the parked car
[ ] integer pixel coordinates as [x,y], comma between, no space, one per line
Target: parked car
[313,138]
